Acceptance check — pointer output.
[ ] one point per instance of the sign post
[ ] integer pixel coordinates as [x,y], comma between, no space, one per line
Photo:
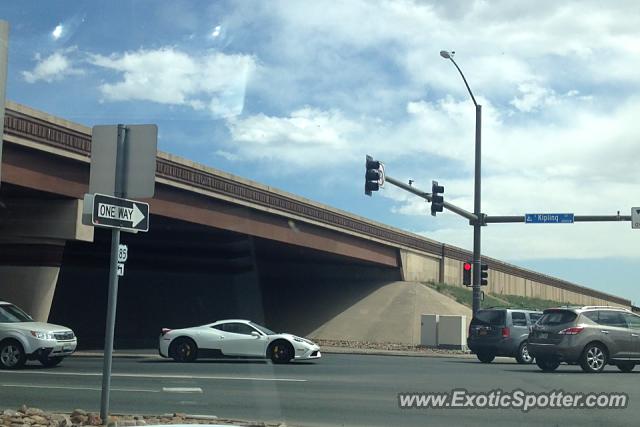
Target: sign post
[123,162]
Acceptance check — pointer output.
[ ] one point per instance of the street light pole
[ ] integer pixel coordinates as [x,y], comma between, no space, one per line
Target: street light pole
[477,225]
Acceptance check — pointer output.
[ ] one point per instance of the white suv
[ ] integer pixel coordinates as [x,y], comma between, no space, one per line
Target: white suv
[22,339]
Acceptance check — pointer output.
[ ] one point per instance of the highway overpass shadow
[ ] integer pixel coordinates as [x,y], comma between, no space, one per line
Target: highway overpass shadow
[181,274]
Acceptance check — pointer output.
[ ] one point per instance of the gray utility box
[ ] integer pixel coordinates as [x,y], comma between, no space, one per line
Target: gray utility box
[443,331]
[429,330]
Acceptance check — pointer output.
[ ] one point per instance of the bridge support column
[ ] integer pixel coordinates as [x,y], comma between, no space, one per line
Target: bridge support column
[28,276]
[33,234]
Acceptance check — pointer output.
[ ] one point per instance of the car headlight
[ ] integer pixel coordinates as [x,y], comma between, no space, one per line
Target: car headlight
[43,335]
[298,339]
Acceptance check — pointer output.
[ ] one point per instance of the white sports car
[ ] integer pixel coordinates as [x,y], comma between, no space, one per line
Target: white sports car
[235,338]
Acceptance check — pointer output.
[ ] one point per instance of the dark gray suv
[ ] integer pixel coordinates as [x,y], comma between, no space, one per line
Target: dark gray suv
[501,332]
[591,336]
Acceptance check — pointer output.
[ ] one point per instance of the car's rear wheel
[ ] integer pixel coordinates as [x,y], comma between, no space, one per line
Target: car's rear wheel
[523,356]
[12,355]
[625,366]
[280,352]
[485,357]
[50,362]
[547,364]
[183,349]
[594,358]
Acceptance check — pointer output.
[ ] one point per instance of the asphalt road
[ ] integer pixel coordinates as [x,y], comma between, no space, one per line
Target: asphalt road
[339,389]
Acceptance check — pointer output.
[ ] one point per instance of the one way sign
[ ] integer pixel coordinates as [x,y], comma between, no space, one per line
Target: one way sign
[114,212]
[635,217]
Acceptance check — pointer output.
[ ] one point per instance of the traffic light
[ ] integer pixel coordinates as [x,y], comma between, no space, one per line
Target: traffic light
[466,274]
[484,274]
[437,200]
[373,176]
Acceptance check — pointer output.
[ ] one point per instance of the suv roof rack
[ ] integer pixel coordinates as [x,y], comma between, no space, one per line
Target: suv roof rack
[610,307]
[510,308]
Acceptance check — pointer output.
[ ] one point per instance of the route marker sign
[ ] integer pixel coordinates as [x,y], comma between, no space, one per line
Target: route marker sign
[635,217]
[549,218]
[123,253]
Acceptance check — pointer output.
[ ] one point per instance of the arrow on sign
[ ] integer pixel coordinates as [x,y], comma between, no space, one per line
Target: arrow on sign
[137,217]
[638,211]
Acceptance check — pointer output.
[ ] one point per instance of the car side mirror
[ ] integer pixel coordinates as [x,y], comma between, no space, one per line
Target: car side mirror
[255,334]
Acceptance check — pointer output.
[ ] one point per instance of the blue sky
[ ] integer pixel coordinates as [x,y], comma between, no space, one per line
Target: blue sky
[294,94]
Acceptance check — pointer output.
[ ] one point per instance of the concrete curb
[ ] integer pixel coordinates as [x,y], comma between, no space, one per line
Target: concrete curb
[405,353]
[326,350]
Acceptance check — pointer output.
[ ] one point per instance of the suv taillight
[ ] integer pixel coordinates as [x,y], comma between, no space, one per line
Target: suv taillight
[164,331]
[571,331]
[505,332]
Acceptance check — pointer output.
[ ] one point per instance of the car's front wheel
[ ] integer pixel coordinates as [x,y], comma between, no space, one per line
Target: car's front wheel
[50,362]
[594,358]
[12,355]
[626,366]
[183,350]
[547,364]
[280,352]
[485,357]
[523,356]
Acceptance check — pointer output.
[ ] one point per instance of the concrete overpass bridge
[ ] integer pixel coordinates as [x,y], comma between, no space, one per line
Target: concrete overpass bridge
[219,245]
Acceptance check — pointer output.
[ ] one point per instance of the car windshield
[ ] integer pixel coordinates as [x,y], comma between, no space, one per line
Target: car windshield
[12,314]
[262,329]
[489,317]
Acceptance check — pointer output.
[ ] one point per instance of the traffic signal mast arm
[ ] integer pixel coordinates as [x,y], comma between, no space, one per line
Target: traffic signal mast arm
[427,196]
[577,218]
[488,219]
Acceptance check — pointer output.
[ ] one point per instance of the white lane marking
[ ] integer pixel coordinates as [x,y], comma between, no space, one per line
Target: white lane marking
[155,376]
[182,389]
[61,387]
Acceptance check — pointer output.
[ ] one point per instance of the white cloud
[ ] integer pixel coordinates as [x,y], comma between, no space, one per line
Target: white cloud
[534,97]
[300,139]
[215,81]
[57,31]
[56,66]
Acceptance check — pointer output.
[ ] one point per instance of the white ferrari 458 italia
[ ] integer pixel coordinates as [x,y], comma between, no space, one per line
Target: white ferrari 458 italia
[234,338]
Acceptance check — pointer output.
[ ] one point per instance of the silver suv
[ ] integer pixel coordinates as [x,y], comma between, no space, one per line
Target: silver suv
[591,336]
[501,332]
[22,339]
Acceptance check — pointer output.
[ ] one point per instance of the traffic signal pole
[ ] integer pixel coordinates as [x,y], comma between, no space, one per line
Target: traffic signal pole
[479,220]
[477,210]
[377,177]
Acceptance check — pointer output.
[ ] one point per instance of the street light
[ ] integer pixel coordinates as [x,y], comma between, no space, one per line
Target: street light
[477,225]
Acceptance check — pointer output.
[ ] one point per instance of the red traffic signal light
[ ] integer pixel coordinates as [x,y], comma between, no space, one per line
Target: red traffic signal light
[466,274]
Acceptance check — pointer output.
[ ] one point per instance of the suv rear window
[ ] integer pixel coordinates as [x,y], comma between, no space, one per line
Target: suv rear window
[489,317]
[557,317]
[534,317]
